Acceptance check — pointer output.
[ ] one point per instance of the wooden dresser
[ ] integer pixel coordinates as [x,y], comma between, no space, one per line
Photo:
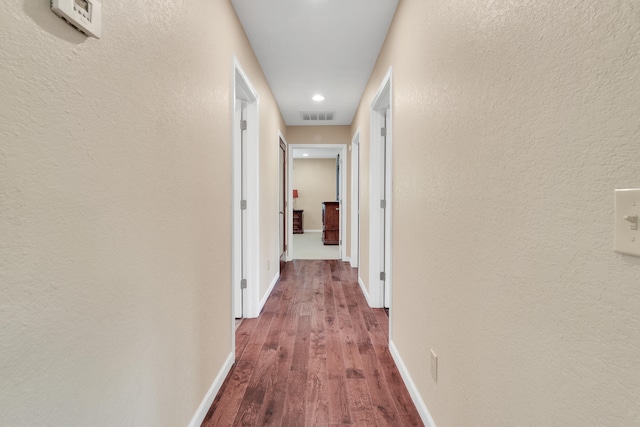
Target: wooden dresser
[297,222]
[331,223]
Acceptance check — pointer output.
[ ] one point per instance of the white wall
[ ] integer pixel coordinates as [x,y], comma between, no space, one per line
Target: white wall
[115,222]
[513,124]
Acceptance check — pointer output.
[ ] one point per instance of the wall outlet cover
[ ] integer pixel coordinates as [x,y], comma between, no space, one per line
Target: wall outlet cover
[627,214]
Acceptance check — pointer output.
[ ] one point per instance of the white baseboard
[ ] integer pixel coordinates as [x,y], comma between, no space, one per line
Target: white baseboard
[352,263]
[268,293]
[198,417]
[364,290]
[411,386]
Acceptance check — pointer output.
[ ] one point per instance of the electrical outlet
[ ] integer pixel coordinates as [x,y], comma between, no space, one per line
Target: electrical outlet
[434,366]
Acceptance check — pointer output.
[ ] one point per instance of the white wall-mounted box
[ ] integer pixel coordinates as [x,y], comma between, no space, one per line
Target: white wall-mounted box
[85,15]
[627,214]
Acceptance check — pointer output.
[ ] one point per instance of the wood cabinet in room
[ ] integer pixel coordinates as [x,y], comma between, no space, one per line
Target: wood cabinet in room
[331,223]
[297,222]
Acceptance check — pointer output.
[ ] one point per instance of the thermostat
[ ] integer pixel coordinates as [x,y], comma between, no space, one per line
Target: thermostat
[85,15]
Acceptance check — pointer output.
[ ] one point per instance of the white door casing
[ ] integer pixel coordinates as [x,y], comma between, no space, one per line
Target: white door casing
[343,191]
[380,208]
[245,235]
[355,200]
[283,199]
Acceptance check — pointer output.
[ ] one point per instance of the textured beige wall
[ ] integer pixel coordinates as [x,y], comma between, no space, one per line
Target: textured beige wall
[115,184]
[315,180]
[271,123]
[318,135]
[514,123]
[329,135]
[361,124]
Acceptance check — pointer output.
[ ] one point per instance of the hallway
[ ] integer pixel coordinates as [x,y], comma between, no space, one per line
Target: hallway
[309,246]
[317,355]
[510,128]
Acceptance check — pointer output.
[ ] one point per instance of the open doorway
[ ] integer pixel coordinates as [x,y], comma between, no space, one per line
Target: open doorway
[355,201]
[282,201]
[380,197]
[317,178]
[244,196]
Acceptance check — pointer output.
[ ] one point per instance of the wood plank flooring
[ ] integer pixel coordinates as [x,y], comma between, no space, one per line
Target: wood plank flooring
[316,356]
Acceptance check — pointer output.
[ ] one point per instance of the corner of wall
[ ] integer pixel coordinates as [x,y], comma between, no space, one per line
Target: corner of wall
[267,294]
[206,403]
[425,415]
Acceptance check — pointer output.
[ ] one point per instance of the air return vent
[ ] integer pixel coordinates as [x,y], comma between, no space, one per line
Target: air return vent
[317,116]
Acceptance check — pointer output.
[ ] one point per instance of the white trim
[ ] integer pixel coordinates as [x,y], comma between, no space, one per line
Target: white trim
[281,136]
[202,410]
[355,194]
[287,199]
[411,386]
[236,226]
[363,289]
[290,205]
[251,293]
[268,293]
[343,192]
[344,202]
[379,103]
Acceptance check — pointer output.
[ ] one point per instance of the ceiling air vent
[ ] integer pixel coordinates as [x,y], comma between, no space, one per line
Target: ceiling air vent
[315,116]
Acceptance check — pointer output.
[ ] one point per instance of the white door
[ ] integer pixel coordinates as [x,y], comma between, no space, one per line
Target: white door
[245,201]
[283,204]
[355,201]
[383,208]
[241,139]
[380,197]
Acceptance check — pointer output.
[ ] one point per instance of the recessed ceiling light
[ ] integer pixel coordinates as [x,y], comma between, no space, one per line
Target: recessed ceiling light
[318,98]
[305,155]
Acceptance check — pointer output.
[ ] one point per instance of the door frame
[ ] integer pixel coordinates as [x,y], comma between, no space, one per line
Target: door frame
[288,195]
[343,191]
[354,259]
[243,89]
[380,294]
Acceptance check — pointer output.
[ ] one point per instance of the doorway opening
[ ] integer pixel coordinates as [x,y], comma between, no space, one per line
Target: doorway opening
[355,201]
[245,253]
[283,201]
[317,236]
[381,198]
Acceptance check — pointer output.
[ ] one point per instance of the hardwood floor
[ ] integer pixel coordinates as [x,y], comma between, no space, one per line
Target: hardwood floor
[316,356]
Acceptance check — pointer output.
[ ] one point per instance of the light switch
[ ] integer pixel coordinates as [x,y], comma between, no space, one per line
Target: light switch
[627,214]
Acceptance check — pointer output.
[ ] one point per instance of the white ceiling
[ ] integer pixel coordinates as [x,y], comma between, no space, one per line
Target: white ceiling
[316,46]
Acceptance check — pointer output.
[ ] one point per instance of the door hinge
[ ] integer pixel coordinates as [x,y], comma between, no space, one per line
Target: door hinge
[243,205]
[243,284]
[383,131]
[382,275]
[243,125]
[383,204]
